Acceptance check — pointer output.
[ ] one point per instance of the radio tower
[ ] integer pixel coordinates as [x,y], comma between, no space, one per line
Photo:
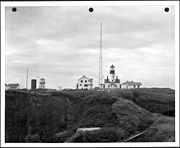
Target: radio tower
[100,58]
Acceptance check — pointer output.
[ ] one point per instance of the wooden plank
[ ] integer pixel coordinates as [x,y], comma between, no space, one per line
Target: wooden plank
[135,136]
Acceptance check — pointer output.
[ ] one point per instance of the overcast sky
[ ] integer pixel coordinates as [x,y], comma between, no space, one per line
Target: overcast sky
[61,44]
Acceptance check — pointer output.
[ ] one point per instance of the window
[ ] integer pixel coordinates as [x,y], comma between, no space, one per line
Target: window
[81,81]
[79,84]
[85,85]
[85,81]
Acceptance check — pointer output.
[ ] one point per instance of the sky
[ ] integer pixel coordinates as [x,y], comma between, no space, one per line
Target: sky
[61,43]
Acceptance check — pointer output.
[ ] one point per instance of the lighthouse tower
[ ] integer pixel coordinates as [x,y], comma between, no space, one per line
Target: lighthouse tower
[112,81]
[112,73]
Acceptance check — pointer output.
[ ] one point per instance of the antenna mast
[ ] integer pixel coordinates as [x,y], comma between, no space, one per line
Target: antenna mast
[100,58]
[27,79]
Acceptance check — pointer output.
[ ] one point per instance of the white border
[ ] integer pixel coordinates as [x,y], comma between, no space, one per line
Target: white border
[90,3]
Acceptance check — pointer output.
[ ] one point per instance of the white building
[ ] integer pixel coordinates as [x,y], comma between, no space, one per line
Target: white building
[12,86]
[112,81]
[42,83]
[85,83]
[130,85]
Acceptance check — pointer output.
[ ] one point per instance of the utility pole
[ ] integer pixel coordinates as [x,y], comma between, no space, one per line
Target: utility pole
[100,58]
[27,79]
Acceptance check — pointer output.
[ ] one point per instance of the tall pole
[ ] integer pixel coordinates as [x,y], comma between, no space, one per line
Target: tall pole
[27,79]
[100,58]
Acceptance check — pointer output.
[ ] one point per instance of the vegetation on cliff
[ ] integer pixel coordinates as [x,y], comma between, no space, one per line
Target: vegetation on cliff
[55,116]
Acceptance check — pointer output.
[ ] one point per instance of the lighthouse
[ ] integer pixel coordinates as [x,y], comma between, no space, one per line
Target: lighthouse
[112,73]
[112,81]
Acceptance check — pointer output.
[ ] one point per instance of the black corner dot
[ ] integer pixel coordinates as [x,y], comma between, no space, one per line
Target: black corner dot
[14,9]
[91,9]
[166,9]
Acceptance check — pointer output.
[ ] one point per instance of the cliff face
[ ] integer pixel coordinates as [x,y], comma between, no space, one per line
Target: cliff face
[54,117]
[28,114]
[16,116]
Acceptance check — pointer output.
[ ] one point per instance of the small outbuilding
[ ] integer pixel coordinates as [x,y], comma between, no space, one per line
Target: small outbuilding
[13,86]
[130,85]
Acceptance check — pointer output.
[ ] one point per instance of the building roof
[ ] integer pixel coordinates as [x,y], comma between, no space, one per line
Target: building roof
[131,83]
[112,66]
[107,81]
[84,77]
[117,80]
[13,85]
